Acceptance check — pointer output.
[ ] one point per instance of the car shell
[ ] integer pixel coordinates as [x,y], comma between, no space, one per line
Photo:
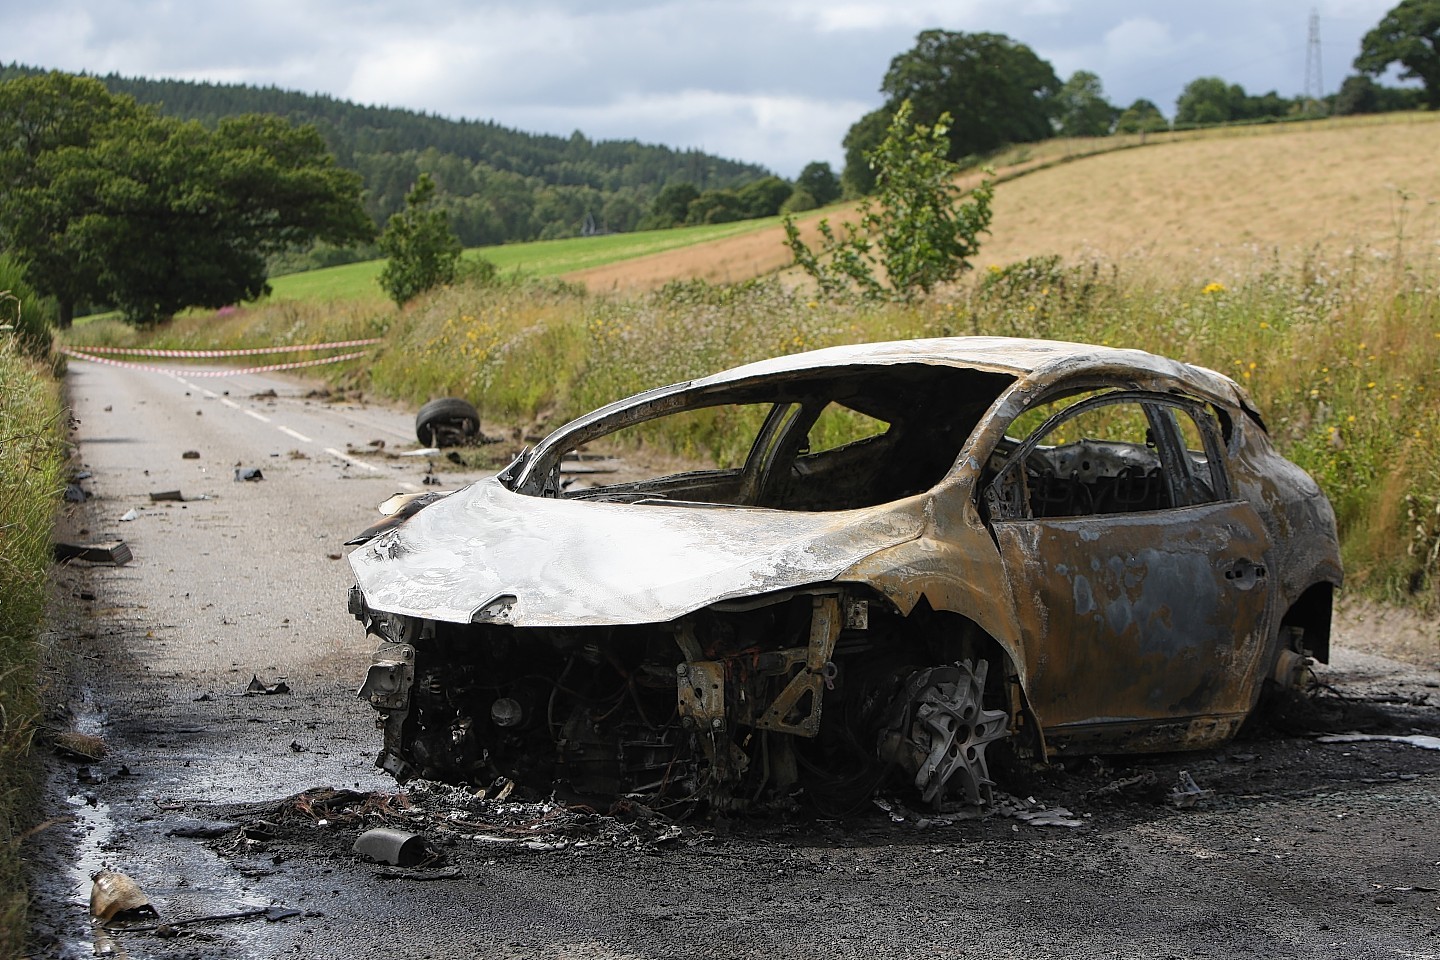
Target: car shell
[1150,629]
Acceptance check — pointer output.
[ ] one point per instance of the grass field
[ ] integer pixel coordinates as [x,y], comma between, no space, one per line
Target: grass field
[544,258]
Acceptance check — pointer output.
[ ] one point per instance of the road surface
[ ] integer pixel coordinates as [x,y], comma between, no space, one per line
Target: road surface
[1297,848]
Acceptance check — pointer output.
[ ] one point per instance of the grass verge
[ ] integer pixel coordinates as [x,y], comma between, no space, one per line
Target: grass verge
[31,470]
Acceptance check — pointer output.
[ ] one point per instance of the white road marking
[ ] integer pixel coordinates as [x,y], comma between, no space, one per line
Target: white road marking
[296,434]
[230,403]
[258,416]
[351,460]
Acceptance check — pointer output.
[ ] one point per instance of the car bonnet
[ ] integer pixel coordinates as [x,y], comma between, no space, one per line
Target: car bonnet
[530,561]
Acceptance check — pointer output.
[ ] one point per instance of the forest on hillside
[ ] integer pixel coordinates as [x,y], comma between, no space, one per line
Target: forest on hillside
[497,184]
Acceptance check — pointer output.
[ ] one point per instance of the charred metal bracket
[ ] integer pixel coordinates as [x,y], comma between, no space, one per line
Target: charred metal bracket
[387,689]
[797,708]
[700,687]
[700,700]
[387,682]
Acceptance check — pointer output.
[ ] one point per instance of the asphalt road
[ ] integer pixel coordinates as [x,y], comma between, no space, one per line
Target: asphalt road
[1298,848]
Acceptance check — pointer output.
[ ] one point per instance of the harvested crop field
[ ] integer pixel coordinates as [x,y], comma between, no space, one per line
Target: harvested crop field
[1194,208]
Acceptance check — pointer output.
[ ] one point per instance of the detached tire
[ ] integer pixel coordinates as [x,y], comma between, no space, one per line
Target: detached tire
[447,422]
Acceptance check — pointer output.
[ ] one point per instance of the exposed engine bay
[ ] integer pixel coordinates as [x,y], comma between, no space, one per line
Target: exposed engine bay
[815,696]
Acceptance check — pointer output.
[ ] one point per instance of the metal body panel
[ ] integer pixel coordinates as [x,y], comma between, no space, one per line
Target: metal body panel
[1144,616]
[569,563]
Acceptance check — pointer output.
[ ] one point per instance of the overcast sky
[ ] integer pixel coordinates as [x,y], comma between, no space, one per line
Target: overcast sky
[775,82]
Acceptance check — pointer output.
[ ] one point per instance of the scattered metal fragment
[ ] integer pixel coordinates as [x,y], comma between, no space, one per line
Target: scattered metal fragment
[1187,793]
[192,829]
[259,688]
[1140,783]
[190,455]
[1415,740]
[111,551]
[399,848]
[248,473]
[1058,817]
[128,515]
[74,493]
[159,495]
[114,896]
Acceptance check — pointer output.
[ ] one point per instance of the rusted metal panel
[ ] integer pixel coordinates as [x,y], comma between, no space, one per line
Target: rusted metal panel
[1141,616]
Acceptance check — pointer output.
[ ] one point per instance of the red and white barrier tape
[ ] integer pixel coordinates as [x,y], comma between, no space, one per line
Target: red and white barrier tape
[251,351]
[78,355]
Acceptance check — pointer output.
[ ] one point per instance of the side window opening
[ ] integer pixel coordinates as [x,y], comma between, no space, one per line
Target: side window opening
[1098,454]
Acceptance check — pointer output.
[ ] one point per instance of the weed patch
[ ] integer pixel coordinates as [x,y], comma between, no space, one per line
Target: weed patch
[31,463]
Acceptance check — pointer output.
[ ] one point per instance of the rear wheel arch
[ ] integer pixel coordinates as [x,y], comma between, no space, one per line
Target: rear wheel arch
[1308,620]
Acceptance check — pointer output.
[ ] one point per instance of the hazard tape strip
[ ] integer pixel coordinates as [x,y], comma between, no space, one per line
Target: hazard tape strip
[79,355]
[247,352]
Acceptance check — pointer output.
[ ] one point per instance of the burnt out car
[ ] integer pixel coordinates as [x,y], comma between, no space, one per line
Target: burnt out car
[874,563]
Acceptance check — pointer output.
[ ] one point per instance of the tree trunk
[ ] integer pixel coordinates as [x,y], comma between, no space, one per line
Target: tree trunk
[67,314]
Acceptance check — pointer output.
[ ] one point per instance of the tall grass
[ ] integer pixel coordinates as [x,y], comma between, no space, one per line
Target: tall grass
[31,459]
[1340,357]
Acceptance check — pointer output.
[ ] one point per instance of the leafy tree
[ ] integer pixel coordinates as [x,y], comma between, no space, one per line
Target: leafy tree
[799,201]
[997,91]
[1081,107]
[671,206]
[763,197]
[42,118]
[1209,100]
[107,201]
[1212,100]
[1359,94]
[1410,36]
[1142,116]
[715,206]
[919,233]
[423,251]
[820,182]
[858,178]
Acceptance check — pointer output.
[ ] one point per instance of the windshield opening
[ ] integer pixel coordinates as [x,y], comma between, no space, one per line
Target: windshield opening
[837,439]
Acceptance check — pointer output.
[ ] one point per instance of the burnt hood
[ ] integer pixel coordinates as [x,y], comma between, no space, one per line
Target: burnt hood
[486,553]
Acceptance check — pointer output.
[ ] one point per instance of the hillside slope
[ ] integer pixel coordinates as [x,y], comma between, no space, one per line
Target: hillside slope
[1205,205]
